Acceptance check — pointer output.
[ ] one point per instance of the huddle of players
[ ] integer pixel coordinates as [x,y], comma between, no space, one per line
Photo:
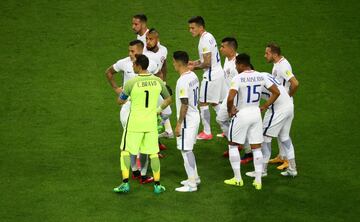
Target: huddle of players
[234,92]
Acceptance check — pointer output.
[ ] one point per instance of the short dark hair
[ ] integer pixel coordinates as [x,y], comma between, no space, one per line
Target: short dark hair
[137,43]
[141,17]
[197,20]
[275,48]
[142,61]
[153,31]
[231,41]
[181,56]
[243,59]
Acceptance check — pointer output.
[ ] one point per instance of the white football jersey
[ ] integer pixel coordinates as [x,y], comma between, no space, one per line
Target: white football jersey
[249,85]
[229,71]
[143,37]
[187,86]
[126,66]
[283,101]
[282,72]
[207,43]
[158,57]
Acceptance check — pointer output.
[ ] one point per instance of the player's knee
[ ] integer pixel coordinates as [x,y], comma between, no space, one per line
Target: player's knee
[284,138]
[152,156]
[125,153]
[267,139]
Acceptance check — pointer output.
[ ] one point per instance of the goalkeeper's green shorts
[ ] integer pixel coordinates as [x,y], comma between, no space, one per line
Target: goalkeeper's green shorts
[140,142]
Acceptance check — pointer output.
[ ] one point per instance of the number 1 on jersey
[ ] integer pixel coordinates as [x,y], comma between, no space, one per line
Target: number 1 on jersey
[146,98]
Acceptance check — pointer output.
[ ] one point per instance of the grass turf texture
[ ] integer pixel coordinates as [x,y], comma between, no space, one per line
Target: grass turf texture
[60,127]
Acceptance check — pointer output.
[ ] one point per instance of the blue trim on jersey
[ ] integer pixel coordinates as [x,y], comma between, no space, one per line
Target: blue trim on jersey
[284,82]
[209,73]
[182,138]
[271,118]
[265,93]
[184,122]
[205,94]
[231,128]
[123,96]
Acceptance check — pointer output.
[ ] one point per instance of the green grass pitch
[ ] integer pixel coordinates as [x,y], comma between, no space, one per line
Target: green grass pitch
[60,130]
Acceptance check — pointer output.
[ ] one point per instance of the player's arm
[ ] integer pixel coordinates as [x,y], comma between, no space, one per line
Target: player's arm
[206,64]
[183,110]
[230,102]
[164,71]
[122,97]
[110,75]
[275,93]
[125,93]
[294,84]
[167,98]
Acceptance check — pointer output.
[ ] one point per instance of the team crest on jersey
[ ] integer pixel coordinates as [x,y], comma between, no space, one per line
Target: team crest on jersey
[232,84]
[182,92]
[288,73]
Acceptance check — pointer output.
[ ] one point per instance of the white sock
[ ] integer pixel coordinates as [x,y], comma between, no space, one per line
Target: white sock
[134,166]
[216,108]
[290,153]
[189,163]
[258,164]
[224,125]
[282,151]
[266,151]
[144,162]
[167,126]
[205,118]
[234,157]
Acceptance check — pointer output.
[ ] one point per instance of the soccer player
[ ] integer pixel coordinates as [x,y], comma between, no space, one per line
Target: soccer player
[213,77]
[157,52]
[125,66]
[282,72]
[141,130]
[246,122]
[188,118]
[277,123]
[139,26]
[228,49]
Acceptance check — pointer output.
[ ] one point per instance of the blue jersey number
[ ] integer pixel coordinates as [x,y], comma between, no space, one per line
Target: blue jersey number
[217,57]
[196,90]
[253,92]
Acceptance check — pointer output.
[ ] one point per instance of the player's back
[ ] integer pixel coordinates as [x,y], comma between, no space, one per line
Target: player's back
[144,93]
[187,86]
[249,85]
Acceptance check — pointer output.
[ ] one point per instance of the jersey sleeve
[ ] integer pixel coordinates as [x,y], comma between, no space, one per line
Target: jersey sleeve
[153,67]
[127,89]
[164,92]
[183,88]
[268,82]
[234,84]
[119,65]
[286,73]
[205,45]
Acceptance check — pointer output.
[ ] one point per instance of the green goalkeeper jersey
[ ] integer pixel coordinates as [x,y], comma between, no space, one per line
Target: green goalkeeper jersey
[144,91]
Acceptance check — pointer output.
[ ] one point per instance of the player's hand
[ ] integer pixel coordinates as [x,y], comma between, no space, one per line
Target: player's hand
[178,130]
[233,111]
[118,90]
